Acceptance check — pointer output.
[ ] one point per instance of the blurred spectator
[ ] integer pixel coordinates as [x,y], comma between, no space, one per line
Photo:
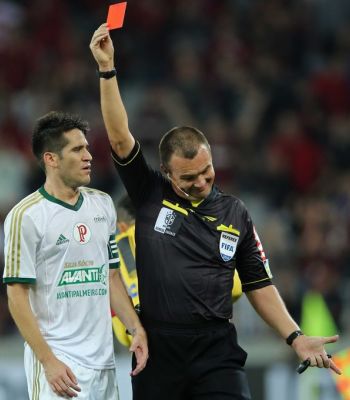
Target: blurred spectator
[301,155]
[14,170]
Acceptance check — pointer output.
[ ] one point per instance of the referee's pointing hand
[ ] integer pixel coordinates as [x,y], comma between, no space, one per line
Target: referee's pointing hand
[312,348]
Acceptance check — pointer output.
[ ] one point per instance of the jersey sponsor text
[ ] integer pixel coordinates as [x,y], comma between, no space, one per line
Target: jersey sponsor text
[75,276]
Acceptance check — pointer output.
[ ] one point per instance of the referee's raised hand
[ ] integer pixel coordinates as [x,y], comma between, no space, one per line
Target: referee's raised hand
[102,48]
[312,348]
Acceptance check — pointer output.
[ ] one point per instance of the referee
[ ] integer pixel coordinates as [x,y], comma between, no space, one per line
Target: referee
[126,246]
[190,237]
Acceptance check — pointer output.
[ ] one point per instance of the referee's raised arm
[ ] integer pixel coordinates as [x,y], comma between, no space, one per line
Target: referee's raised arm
[113,110]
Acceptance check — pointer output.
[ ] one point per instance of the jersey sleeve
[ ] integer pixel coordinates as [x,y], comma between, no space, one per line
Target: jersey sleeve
[251,261]
[113,251]
[21,242]
[138,177]
[112,217]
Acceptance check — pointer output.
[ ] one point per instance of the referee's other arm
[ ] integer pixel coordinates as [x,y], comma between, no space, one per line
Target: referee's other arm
[269,305]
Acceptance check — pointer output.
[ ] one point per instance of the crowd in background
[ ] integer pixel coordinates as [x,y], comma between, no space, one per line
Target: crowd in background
[267,82]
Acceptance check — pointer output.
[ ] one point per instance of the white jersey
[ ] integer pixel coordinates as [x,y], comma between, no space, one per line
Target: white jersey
[65,253]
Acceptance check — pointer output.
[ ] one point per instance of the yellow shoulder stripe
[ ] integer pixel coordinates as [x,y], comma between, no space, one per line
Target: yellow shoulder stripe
[229,229]
[14,250]
[175,207]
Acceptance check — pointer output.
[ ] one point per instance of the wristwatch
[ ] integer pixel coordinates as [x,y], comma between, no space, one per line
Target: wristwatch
[290,339]
[107,74]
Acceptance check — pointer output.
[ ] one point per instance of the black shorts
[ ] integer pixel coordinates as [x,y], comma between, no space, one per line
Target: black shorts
[192,363]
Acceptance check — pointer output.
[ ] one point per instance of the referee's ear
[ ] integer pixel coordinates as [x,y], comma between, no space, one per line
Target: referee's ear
[164,170]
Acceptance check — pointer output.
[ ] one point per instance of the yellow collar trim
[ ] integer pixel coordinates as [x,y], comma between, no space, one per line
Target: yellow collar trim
[175,207]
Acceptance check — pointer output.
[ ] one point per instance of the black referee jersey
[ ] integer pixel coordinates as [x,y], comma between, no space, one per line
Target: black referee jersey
[186,255]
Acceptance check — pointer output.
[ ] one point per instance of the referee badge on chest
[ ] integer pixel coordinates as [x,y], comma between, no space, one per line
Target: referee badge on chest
[228,245]
[168,221]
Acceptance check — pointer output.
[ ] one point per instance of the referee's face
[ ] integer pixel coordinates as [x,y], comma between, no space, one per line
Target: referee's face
[193,178]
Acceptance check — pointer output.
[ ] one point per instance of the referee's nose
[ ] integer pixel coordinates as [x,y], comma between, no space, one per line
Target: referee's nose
[200,182]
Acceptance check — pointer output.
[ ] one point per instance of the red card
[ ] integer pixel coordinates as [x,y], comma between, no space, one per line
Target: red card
[116,13]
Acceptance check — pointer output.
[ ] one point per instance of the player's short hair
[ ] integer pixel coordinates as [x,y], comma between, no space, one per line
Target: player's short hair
[125,210]
[183,141]
[48,133]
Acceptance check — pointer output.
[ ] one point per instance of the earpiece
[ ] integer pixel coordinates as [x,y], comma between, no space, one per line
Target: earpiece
[171,180]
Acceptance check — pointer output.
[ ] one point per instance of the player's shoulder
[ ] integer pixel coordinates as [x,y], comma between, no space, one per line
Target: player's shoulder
[98,200]
[94,193]
[27,206]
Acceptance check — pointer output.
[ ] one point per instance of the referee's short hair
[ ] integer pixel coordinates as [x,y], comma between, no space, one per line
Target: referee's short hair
[183,141]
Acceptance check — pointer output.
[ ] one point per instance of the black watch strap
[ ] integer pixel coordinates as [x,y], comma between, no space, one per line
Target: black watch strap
[107,74]
[290,339]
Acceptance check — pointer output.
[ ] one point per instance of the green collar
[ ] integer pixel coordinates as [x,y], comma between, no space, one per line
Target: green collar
[76,206]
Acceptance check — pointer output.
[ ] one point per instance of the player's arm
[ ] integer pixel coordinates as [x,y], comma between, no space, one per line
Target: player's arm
[270,306]
[120,302]
[61,379]
[113,110]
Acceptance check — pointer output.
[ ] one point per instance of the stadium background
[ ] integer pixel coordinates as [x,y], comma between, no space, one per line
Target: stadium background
[268,83]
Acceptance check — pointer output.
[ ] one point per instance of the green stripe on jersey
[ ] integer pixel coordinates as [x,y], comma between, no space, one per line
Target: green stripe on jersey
[74,207]
[29,281]
[113,253]
[14,249]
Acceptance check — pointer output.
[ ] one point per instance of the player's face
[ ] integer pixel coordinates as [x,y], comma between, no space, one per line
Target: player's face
[74,165]
[194,176]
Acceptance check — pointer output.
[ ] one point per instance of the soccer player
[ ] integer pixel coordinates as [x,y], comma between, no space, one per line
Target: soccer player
[126,244]
[189,239]
[61,270]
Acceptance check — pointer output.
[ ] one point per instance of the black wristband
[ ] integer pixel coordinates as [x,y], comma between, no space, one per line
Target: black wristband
[107,74]
[290,339]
